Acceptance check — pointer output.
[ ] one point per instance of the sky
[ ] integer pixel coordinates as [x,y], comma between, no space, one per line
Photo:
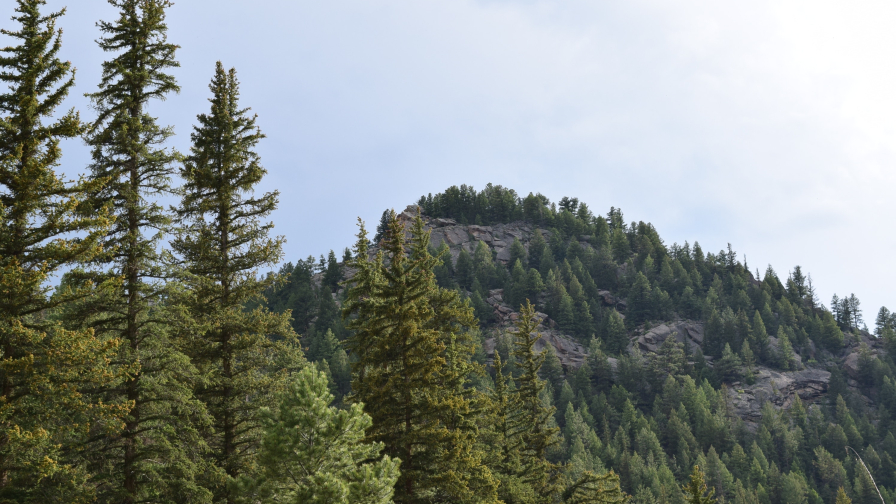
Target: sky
[767,125]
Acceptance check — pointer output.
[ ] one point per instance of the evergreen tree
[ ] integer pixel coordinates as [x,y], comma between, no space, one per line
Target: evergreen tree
[312,452]
[537,250]
[749,361]
[639,302]
[785,351]
[883,321]
[535,284]
[333,273]
[504,440]
[842,498]
[413,348]
[157,455]
[43,414]
[536,434]
[222,245]
[464,269]
[695,492]
[614,333]
[669,360]
[593,488]
[517,252]
[583,321]
[728,367]
[519,288]
[760,338]
[382,227]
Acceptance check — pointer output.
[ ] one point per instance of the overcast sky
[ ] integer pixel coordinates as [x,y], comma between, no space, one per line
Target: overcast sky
[769,125]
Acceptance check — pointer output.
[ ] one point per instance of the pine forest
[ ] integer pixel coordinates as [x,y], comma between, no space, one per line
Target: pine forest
[475,346]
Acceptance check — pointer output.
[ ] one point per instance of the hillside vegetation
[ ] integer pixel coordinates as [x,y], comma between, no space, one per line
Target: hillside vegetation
[480,347]
[764,393]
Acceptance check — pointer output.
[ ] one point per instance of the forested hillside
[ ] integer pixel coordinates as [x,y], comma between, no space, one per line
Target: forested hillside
[478,347]
[659,357]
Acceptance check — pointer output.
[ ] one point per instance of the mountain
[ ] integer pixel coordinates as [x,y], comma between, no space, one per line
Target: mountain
[752,376]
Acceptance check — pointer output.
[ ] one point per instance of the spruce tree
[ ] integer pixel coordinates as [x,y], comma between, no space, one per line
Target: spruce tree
[502,433]
[537,436]
[314,453]
[156,457]
[43,415]
[696,492]
[222,244]
[413,347]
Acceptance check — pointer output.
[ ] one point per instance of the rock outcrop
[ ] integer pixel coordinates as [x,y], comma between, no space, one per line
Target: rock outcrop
[570,353]
[778,388]
[689,334]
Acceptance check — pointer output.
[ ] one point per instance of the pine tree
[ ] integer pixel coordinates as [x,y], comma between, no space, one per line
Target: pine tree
[413,348]
[312,452]
[695,492]
[842,498]
[760,338]
[785,351]
[333,273]
[502,435]
[517,252]
[43,415]
[639,303]
[749,361]
[156,456]
[537,250]
[519,288]
[727,368]
[222,245]
[614,333]
[464,269]
[536,434]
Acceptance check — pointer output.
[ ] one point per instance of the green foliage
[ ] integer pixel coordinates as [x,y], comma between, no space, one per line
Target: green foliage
[44,229]
[592,488]
[536,435]
[313,452]
[157,456]
[728,366]
[221,244]
[413,349]
[696,491]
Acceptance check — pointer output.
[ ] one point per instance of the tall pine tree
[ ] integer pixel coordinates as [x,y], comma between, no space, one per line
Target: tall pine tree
[413,347]
[156,457]
[223,244]
[42,365]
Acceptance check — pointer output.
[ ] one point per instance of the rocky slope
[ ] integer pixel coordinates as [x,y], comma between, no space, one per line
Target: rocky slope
[780,388]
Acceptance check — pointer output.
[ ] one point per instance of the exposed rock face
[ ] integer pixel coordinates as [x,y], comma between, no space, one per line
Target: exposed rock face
[498,237]
[779,388]
[688,333]
[571,354]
